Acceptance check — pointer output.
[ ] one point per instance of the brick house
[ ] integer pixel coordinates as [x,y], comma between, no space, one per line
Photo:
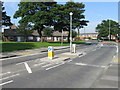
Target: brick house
[12,34]
[86,35]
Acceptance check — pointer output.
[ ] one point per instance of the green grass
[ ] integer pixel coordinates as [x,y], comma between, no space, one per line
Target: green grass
[14,46]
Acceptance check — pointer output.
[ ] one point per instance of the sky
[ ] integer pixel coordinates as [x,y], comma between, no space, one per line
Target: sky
[95,12]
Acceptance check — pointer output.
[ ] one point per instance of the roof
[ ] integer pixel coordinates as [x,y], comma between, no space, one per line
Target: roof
[11,32]
[13,26]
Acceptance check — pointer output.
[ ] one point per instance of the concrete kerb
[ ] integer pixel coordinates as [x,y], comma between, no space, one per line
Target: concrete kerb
[27,52]
[12,60]
[61,57]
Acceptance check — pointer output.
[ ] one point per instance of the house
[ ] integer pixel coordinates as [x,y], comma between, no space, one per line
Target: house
[87,35]
[12,34]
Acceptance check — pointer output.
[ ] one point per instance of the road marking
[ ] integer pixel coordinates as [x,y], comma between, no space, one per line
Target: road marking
[5,73]
[54,66]
[117,49]
[83,64]
[9,77]
[28,68]
[39,64]
[47,65]
[6,82]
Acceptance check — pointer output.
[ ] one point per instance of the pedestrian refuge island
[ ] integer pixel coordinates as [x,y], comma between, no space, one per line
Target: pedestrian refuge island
[50,52]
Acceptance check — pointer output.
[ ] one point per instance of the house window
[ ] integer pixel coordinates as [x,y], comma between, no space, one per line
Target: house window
[48,38]
[64,38]
[11,38]
[20,38]
[30,38]
[38,39]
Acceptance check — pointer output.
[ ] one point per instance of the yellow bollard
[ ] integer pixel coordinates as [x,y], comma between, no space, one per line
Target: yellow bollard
[50,52]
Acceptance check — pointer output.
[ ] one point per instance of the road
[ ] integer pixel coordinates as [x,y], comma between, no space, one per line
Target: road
[78,72]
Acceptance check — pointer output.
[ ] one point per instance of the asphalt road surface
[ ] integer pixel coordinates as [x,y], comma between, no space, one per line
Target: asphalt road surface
[80,72]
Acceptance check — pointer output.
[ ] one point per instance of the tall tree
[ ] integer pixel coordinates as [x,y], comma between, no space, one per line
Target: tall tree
[103,28]
[4,18]
[62,17]
[37,13]
[43,14]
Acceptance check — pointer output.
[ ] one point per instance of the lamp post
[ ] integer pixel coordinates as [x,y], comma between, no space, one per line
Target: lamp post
[62,38]
[71,31]
[109,30]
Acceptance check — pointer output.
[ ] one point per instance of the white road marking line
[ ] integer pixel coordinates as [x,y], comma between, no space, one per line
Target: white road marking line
[83,64]
[54,66]
[114,56]
[5,73]
[28,68]
[10,76]
[47,65]
[117,49]
[39,64]
[6,82]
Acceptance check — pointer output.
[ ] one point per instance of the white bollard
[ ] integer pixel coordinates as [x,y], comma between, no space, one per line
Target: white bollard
[74,48]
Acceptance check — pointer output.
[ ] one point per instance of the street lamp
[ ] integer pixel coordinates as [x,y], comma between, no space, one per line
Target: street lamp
[109,30]
[71,31]
[62,38]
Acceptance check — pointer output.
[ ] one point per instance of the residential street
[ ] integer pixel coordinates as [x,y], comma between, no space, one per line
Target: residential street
[80,70]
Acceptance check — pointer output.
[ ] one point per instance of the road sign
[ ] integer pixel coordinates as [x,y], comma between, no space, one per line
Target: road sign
[50,48]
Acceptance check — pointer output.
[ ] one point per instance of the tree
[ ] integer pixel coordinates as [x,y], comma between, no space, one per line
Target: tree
[25,29]
[48,31]
[43,14]
[37,13]
[74,34]
[62,18]
[4,18]
[103,28]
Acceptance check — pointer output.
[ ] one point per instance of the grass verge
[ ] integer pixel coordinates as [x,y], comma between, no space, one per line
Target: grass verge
[14,46]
